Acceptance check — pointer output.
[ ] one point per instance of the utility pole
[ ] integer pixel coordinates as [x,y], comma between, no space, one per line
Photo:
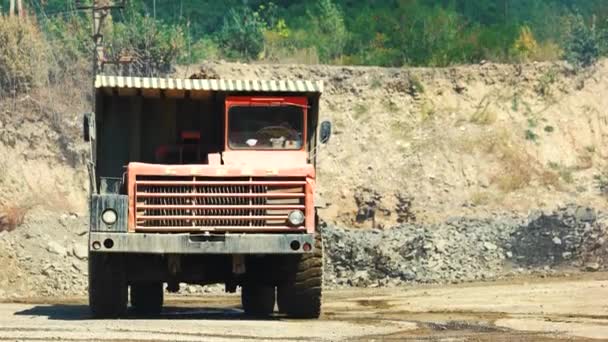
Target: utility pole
[101,10]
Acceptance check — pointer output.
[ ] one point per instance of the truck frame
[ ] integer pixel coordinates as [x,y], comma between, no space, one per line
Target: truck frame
[201,182]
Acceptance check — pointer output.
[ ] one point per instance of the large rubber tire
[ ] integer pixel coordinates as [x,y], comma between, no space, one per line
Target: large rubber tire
[108,289]
[300,295]
[147,298]
[258,299]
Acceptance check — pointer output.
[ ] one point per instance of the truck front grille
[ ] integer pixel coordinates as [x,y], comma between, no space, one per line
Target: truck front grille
[244,204]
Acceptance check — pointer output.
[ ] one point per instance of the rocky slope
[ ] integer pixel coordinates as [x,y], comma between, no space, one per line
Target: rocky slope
[460,161]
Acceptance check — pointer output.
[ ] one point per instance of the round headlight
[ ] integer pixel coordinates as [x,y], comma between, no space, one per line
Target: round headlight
[109,217]
[296,218]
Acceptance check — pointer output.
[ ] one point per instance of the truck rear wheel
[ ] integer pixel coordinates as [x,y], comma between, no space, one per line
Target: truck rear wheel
[258,299]
[107,286]
[300,295]
[147,298]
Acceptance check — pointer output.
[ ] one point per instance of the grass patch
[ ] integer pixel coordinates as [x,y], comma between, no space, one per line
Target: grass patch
[531,136]
[400,130]
[23,56]
[332,106]
[517,167]
[550,178]
[481,198]
[376,83]
[361,110]
[484,115]
[427,111]
[584,161]
[390,106]
[416,86]
[565,173]
[545,83]
[517,172]
[515,102]
[601,181]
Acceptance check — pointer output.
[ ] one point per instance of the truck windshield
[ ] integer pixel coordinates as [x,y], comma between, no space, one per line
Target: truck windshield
[260,127]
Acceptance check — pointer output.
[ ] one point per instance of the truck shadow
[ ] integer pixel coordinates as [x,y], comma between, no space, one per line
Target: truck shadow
[75,312]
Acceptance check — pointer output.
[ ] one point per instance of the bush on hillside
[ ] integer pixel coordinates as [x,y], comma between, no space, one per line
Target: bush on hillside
[23,52]
[69,38]
[241,35]
[328,31]
[154,47]
[201,50]
[582,46]
[525,45]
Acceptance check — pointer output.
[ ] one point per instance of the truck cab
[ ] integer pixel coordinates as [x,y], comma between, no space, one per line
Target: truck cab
[202,182]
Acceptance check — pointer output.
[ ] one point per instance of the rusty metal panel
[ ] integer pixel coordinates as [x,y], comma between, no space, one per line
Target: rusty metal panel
[170,204]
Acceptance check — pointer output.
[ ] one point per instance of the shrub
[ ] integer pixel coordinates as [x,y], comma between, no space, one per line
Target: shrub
[582,48]
[241,35]
[23,63]
[545,82]
[525,45]
[70,41]
[328,30]
[153,46]
[278,42]
[203,49]
[547,51]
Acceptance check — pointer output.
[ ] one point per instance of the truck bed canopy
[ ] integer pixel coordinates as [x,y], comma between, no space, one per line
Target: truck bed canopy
[125,86]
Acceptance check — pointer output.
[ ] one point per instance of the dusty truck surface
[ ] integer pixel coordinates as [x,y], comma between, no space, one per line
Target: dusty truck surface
[203,182]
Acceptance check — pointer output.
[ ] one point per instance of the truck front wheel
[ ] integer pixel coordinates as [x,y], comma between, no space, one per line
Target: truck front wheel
[300,295]
[147,298]
[258,299]
[107,286]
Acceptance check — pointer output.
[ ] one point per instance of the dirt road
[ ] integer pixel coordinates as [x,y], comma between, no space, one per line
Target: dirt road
[520,310]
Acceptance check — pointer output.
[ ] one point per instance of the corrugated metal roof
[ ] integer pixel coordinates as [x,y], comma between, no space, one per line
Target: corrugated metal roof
[292,86]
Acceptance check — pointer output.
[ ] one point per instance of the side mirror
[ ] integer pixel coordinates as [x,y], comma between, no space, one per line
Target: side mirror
[325,132]
[86,127]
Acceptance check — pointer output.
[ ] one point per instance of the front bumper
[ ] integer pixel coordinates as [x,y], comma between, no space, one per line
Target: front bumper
[200,244]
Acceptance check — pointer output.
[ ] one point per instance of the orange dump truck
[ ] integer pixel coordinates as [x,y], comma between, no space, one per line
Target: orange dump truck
[203,182]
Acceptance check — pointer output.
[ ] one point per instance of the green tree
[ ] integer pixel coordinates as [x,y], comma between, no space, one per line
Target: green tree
[242,35]
[388,32]
[328,32]
[582,47]
[153,46]
[23,63]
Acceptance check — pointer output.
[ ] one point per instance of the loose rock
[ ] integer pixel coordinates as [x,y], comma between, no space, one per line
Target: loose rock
[55,248]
